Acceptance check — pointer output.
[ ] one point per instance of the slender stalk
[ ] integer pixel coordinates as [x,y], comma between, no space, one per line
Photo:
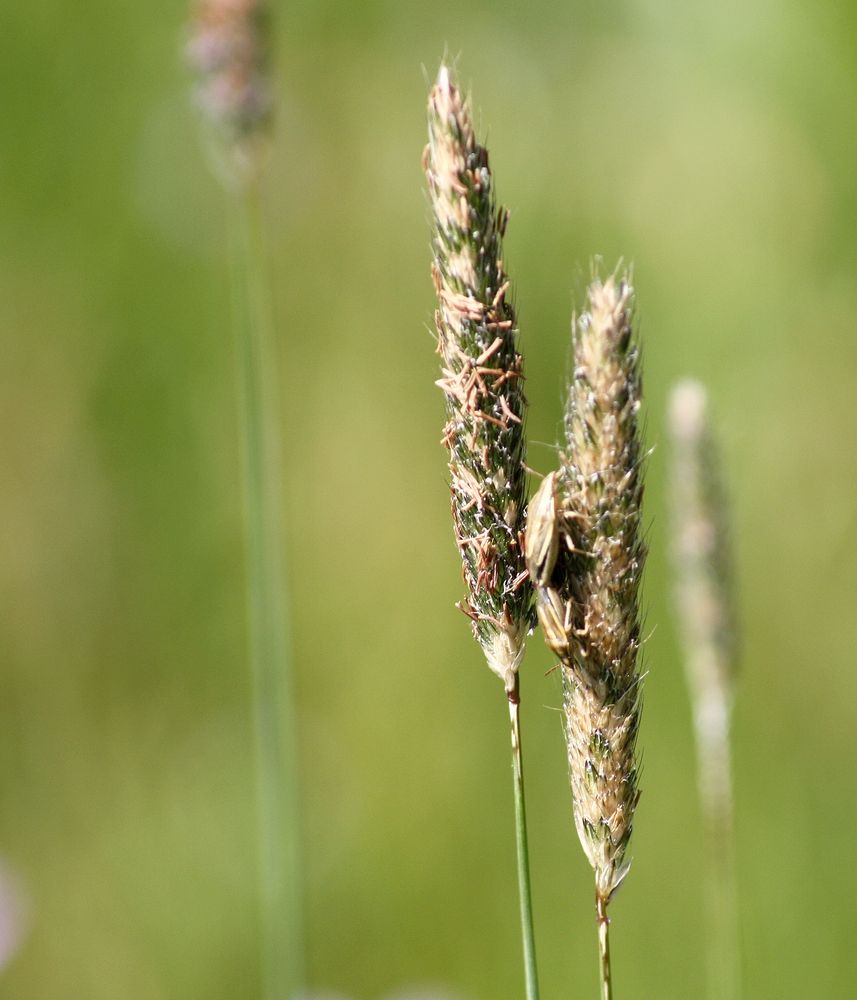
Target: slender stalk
[528,938]
[722,947]
[482,379]
[229,51]
[585,553]
[273,703]
[705,612]
[604,974]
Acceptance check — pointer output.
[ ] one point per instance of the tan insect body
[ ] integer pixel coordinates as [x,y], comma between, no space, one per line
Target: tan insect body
[542,537]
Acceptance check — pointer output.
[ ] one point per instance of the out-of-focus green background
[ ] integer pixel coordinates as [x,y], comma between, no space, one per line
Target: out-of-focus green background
[715,146]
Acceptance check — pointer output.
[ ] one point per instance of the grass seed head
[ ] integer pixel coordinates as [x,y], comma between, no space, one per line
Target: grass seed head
[703,590]
[699,537]
[589,604]
[229,52]
[482,378]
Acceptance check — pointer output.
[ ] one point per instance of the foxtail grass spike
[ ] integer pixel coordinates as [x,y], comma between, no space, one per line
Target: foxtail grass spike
[482,380]
[704,609]
[229,52]
[585,554]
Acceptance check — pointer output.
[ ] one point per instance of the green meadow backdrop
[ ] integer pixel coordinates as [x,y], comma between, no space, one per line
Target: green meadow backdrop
[715,146]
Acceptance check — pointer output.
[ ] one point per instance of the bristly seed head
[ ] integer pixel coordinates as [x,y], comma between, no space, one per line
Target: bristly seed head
[482,380]
[588,604]
[703,577]
[229,50]
[700,542]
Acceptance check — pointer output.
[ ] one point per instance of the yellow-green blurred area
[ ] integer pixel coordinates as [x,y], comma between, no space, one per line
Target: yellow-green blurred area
[715,146]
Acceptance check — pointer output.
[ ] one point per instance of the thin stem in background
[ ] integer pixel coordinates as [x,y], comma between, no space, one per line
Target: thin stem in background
[715,786]
[268,619]
[705,611]
[604,974]
[523,855]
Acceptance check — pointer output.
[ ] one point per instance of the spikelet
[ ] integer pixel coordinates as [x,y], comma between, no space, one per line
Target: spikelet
[229,52]
[482,380]
[585,554]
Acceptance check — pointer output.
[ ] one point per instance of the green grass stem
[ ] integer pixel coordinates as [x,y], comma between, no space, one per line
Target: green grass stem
[605,976]
[705,612]
[268,618]
[528,937]
[721,938]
